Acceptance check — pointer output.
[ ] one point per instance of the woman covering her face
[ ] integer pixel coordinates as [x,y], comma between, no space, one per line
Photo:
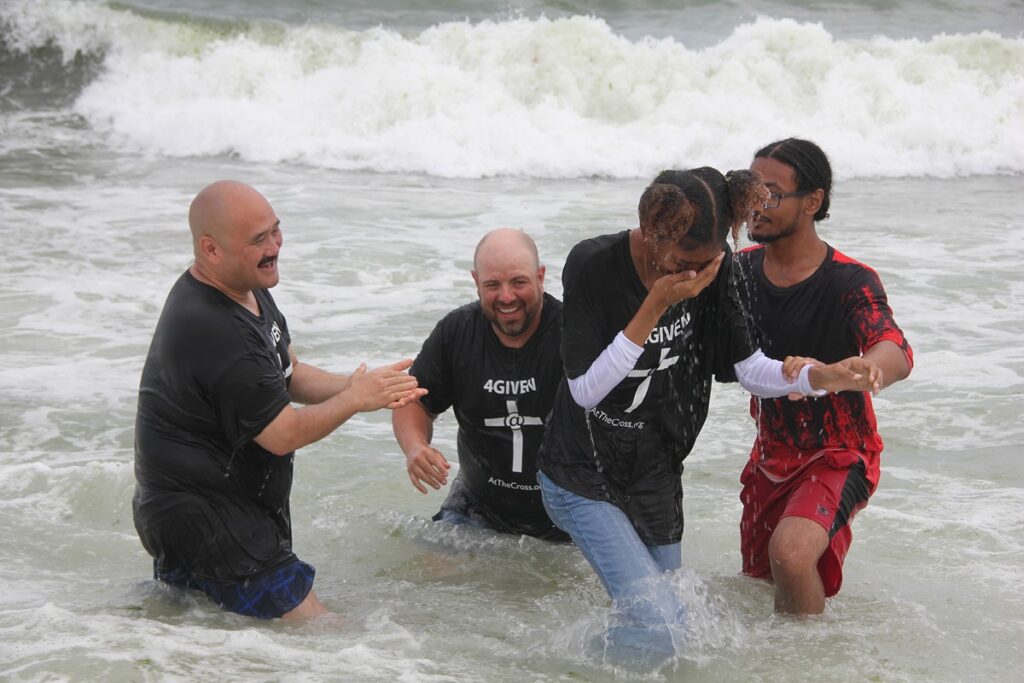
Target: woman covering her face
[651,314]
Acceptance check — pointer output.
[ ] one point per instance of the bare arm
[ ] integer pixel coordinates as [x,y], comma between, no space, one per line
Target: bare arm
[890,359]
[872,372]
[850,374]
[414,430]
[310,384]
[385,387]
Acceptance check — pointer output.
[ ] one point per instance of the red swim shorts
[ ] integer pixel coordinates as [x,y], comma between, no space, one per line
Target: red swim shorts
[829,490]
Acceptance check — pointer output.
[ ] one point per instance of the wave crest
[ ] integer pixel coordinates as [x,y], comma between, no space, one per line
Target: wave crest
[537,97]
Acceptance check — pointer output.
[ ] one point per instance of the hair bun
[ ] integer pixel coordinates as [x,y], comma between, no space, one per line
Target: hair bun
[666,209]
[746,193]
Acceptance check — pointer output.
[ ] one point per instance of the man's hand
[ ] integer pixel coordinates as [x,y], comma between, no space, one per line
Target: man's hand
[426,464]
[389,386]
[850,374]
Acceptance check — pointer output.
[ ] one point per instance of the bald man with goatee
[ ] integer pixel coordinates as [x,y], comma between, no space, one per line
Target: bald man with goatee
[496,363]
[216,431]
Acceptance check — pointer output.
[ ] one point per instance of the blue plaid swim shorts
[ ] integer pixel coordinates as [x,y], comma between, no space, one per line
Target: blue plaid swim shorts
[267,596]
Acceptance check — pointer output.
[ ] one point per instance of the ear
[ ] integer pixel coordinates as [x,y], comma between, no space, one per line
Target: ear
[209,249]
[476,280]
[540,274]
[812,201]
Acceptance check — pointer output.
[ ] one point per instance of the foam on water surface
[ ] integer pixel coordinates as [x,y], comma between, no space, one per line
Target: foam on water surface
[93,205]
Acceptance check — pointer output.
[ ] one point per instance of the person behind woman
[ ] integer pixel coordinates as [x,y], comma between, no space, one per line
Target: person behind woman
[650,314]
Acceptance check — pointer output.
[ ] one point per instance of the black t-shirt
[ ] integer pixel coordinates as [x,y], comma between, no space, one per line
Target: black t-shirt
[501,398]
[839,311]
[629,449]
[208,500]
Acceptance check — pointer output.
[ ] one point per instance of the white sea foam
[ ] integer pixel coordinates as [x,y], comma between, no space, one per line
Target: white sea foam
[96,236]
[538,97]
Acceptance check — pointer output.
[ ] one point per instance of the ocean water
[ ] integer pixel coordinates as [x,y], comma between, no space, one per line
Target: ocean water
[390,136]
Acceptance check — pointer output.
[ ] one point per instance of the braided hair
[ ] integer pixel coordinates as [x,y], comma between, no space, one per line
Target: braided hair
[809,163]
[700,206]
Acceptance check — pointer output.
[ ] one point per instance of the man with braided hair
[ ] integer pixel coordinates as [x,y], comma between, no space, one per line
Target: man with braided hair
[650,315]
[815,461]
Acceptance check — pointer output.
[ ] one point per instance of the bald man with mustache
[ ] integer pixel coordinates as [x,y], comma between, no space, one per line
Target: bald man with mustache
[216,431]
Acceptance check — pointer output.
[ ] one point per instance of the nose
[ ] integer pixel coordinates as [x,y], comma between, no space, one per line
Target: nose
[274,246]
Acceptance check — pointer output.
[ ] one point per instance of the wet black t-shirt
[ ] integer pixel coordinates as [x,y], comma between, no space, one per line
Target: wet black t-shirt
[629,449]
[501,398]
[208,500]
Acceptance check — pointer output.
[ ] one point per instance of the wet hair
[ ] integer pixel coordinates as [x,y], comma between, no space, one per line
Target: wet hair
[809,163]
[700,206]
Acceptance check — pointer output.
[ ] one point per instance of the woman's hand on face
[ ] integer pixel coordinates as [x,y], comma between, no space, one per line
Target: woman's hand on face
[675,287]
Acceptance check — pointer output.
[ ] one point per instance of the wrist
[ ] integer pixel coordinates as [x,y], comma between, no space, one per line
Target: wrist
[415,450]
[811,382]
[349,401]
[644,320]
[657,304]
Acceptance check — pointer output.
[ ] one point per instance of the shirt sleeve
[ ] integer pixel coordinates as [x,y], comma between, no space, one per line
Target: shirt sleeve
[584,329]
[432,370]
[732,338]
[869,316]
[762,376]
[605,373]
[247,396]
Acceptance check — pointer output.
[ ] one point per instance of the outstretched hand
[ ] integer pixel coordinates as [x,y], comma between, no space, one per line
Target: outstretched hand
[388,386]
[850,374]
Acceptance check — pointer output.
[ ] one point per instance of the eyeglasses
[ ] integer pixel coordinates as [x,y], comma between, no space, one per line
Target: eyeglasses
[774,198]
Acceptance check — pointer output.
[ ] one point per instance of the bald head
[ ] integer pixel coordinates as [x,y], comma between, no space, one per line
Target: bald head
[505,245]
[222,208]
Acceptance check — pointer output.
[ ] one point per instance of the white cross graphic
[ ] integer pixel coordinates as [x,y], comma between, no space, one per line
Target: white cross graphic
[664,363]
[515,422]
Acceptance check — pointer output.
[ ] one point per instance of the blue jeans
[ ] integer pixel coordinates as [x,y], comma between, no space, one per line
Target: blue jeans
[649,614]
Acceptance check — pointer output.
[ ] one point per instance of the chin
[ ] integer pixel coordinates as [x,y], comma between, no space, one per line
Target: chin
[763,238]
[512,331]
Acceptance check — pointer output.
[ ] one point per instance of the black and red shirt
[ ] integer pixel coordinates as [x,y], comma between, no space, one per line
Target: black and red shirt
[839,311]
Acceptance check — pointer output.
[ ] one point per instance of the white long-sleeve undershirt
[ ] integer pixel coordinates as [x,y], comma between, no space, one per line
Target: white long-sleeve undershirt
[762,376]
[758,374]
